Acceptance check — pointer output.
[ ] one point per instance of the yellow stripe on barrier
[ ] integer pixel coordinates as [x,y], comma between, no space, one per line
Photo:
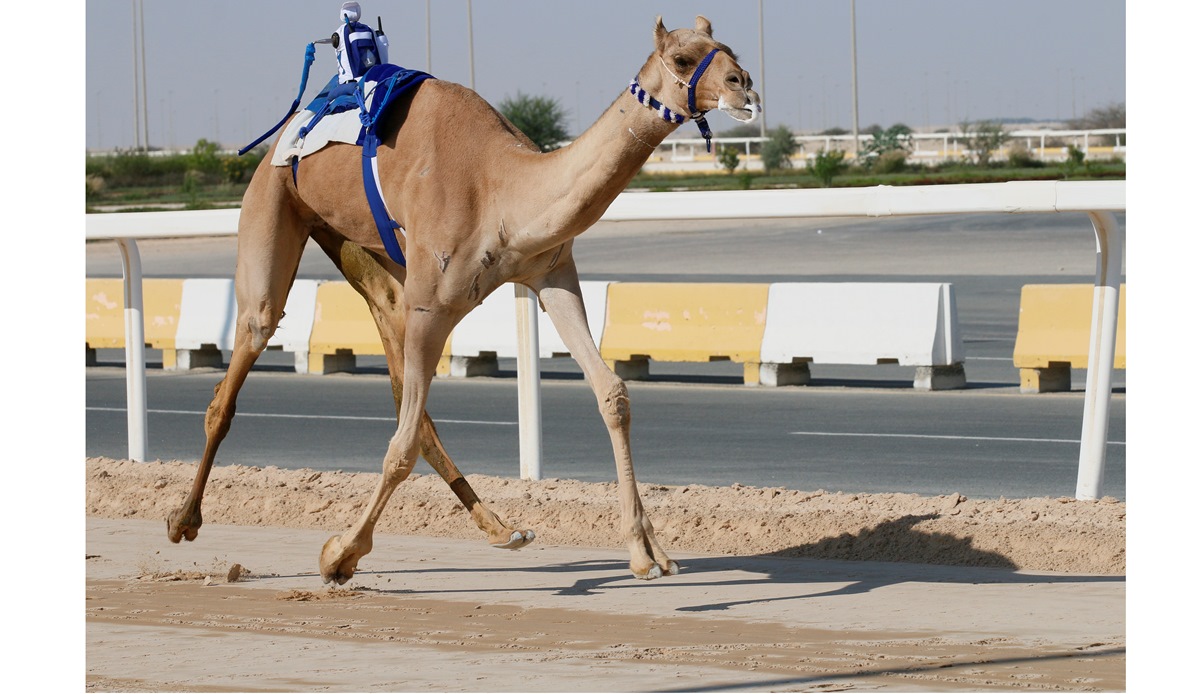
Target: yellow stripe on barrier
[685,322]
[1053,333]
[105,313]
[344,327]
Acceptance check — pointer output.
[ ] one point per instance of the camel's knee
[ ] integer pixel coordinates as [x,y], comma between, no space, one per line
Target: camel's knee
[614,405]
[401,458]
[261,323]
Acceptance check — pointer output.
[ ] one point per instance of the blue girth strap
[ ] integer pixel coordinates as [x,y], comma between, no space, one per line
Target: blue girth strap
[391,82]
[310,54]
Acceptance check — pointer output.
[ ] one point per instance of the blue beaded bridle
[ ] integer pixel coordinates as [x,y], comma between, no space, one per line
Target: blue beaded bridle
[678,118]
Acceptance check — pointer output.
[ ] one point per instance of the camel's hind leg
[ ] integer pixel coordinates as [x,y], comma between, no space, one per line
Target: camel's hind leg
[270,241]
[385,297]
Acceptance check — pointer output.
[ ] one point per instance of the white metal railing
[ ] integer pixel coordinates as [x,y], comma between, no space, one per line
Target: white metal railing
[1099,199]
[947,145]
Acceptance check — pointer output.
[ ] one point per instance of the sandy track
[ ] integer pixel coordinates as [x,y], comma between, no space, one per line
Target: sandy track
[939,594]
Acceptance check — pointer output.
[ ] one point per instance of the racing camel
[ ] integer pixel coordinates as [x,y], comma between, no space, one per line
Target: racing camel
[479,206]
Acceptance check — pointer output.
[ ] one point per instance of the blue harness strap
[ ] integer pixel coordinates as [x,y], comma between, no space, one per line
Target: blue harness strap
[391,82]
[701,121]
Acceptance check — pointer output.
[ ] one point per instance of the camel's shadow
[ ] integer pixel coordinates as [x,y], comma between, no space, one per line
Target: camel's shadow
[887,554]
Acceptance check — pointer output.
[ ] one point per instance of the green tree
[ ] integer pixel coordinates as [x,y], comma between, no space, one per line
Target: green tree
[541,118]
[777,151]
[728,158]
[888,149]
[983,138]
[205,158]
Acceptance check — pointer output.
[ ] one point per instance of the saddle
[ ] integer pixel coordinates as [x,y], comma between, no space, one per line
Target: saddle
[348,113]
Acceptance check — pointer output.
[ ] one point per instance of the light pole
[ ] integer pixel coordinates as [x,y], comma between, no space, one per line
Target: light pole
[854,73]
[137,90]
[762,79]
[471,44]
[145,94]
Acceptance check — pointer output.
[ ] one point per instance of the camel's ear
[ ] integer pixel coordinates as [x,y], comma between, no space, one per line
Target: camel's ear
[660,34]
[703,25]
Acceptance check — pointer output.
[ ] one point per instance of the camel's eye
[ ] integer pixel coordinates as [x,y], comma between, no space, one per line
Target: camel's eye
[682,63]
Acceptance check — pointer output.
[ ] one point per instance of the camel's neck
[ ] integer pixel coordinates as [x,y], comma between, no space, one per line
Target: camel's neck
[582,179]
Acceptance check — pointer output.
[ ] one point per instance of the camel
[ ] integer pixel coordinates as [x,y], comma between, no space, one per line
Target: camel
[479,206]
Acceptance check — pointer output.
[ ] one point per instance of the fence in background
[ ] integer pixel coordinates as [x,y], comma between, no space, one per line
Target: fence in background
[1048,146]
[1099,199]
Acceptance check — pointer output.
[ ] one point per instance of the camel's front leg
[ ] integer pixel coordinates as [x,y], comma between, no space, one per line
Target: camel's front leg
[427,332]
[560,294]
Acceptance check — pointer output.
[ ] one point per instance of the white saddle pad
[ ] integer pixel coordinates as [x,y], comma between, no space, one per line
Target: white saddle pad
[337,127]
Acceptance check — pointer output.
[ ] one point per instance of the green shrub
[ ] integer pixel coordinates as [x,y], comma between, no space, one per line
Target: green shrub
[826,165]
[777,151]
[1074,162]
[728,158]
[893,161]
[1021,158]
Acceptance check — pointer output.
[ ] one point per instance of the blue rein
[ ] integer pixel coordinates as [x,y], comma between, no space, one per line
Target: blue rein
[310,54]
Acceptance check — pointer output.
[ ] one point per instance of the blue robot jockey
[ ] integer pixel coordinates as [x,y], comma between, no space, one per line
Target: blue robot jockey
[358,47]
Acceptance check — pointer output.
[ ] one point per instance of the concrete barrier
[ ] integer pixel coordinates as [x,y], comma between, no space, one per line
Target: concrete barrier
[342,329]
[208,318]
[910,324]
[105,315]
[775,331]
[1053,334]
[683,323]
[489,332]
[206,323]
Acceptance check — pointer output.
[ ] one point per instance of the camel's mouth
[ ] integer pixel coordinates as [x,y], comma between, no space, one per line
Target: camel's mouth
[745,114]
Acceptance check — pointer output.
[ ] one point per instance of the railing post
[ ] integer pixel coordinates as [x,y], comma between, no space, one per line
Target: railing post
[529,386]
[1110,244]
[135,349]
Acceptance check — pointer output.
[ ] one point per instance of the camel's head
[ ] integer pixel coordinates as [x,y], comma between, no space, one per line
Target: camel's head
[722,85]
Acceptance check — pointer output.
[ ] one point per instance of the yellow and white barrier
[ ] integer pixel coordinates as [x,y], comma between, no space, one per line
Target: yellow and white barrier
[774,330]
[685,323]
[1053,334]
[105,316]
[489,332]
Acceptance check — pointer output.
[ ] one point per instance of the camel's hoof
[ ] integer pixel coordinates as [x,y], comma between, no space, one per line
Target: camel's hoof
[183,526]
[335,564]
[519,539]
[656,571]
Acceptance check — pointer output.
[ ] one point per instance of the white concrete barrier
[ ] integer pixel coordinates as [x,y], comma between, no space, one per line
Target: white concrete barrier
[910,324]
[208,316]
[489,332]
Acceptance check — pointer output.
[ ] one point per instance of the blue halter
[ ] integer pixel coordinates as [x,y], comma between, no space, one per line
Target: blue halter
[670,116]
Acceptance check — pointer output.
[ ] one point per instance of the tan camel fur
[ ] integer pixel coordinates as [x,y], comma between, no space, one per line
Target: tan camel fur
[480,206]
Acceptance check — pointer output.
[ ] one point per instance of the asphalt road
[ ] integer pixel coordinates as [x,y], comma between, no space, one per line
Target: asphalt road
[855,429]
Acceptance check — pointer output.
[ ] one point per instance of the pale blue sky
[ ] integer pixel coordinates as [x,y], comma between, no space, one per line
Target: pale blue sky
[228,69]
